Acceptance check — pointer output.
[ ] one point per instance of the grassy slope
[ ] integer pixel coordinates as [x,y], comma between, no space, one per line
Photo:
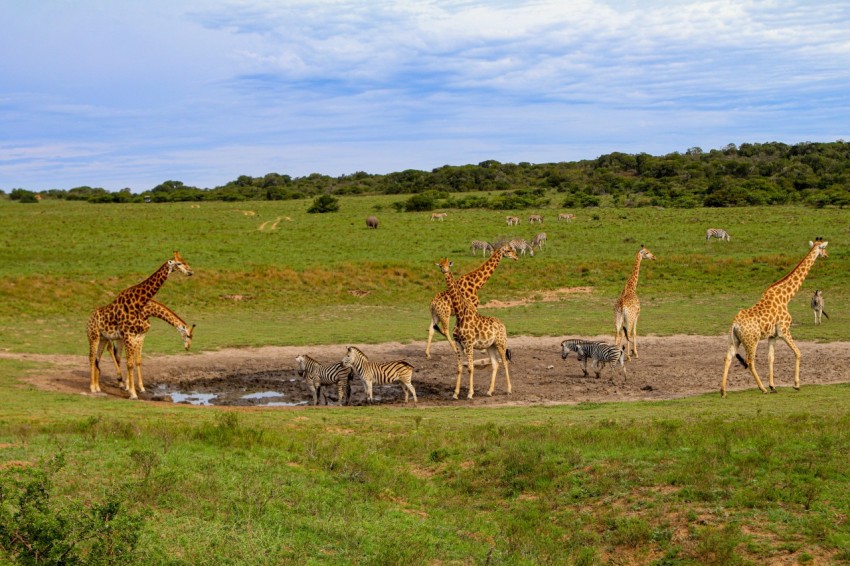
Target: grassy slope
[755,478]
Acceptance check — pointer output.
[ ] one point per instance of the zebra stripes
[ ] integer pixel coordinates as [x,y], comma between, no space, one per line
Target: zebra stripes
[535,218]
[521,246]
[718,233]
[602,354]
[512,220]
[485,247]
[572,345]
[817,306]
[539,241]
[316,375]
[371,372]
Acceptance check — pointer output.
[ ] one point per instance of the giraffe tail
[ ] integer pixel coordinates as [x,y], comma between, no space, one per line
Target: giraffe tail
[440,330]
[736,340]
[742,360]
[508,354]
[824,314]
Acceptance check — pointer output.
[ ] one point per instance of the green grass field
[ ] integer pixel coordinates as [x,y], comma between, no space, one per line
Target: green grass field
[753,479]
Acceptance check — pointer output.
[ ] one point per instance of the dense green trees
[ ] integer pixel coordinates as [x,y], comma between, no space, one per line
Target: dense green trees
[817,174]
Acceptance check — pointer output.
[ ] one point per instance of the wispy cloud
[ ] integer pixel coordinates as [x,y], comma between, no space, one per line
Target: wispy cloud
[204,92]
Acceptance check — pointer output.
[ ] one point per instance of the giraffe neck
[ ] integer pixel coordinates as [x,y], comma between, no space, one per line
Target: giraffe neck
[477,278]
[143,291]
[158,310]
[631,284]
[460,305]
[787,287]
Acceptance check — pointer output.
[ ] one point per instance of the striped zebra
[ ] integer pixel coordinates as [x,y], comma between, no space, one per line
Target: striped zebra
[512,220]
[485,247]
[602,354]
[718,233]
[521,246]
[371,372]
[539,241]
[316,375]
[535,218]
[566,216]
[572,345]
[817,306]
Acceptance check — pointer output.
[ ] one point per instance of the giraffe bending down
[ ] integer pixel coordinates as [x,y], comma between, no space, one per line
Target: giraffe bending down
[162,312]
[627,307]
[769,318]
[476,332]
[469,284]
[122,320]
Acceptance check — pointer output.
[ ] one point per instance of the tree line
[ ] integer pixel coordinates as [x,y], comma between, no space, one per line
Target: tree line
[815,174]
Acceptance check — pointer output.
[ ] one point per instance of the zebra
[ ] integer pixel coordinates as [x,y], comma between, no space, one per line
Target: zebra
[566,216]
[387,372]
[535,218]
[718,233]
[512,220]
[602,354]
[485,247]
[539,241]
[318,375]
[817,306]
[522,246]
[572,345]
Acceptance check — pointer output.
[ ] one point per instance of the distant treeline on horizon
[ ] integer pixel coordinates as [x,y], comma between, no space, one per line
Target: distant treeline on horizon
[815,174]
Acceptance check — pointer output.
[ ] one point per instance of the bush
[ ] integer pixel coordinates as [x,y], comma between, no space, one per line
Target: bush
[324,203]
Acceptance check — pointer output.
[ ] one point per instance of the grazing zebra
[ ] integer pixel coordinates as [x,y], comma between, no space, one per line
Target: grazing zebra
[566,216]
[572,345]
[817,306]
[602,354]
[439,216]
[371,372]
[522,246]
[539,241]
[535,218]
[512,220]
[718,233]
[316,375]
[485,247]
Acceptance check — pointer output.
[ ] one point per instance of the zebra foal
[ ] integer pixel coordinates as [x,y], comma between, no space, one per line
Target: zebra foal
[718,233]
[602,354]
[371,372]
[817,306]
[316,375]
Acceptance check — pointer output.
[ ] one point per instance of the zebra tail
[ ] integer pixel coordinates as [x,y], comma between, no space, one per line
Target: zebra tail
[824,314]
[508,354]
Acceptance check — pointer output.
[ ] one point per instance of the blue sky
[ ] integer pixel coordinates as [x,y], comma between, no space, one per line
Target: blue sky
[129,93]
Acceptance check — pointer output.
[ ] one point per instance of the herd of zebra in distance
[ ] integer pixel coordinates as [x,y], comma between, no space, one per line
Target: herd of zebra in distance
[123,324]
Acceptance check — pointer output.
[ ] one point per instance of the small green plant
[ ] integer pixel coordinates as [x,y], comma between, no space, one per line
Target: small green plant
[324,203]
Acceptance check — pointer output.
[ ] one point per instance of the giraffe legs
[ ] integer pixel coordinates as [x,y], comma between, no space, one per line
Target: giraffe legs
[442,326]
[632,338]
[771,355]
[96,346]
[470,366]
[790,341]
[132,358]
[496,352]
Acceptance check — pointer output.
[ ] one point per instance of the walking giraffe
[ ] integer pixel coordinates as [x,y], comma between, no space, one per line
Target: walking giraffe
[469,284]
[769,318]
[627,307]
[476,332]
[122,319]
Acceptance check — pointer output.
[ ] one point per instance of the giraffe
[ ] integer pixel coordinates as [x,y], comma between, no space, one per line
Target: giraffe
[122,320]
[627,307]
[769,318]
[441,305]
[158,310]
[475,332]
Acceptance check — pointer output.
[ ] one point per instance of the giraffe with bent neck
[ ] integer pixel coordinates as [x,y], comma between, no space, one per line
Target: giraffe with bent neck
[769,318]
[627,307]
[468,284]
[475,332]
[122,319]
[162,312]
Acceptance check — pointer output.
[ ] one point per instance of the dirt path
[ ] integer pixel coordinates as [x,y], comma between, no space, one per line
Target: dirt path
[669,367]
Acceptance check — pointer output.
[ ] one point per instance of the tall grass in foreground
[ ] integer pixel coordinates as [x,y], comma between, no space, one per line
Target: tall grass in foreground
[753,479]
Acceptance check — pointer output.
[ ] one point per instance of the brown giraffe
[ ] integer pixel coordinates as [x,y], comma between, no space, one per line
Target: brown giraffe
[122,320]
[470,283]
[476,332]
[627,307]
[769,318]
[162,312]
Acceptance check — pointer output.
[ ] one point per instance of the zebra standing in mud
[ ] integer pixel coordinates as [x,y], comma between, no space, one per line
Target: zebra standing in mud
[817,306]
[602,354]
[485,247]
[521,246]
[316,375]
[718,233]
[572,345]
[371,372]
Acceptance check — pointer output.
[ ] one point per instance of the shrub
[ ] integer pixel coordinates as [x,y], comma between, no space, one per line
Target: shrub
[324,203]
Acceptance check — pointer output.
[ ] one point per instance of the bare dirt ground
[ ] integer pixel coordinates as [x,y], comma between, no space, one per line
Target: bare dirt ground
[668,367]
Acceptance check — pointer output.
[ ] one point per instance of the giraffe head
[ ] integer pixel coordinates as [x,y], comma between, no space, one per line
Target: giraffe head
[645,253]
[186,335]
[446,266]
[508,251]
[821,245]
[177,262]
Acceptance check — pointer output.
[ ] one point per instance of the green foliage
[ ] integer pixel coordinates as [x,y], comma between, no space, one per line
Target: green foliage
[23,195]
[324,203]
[38,528]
